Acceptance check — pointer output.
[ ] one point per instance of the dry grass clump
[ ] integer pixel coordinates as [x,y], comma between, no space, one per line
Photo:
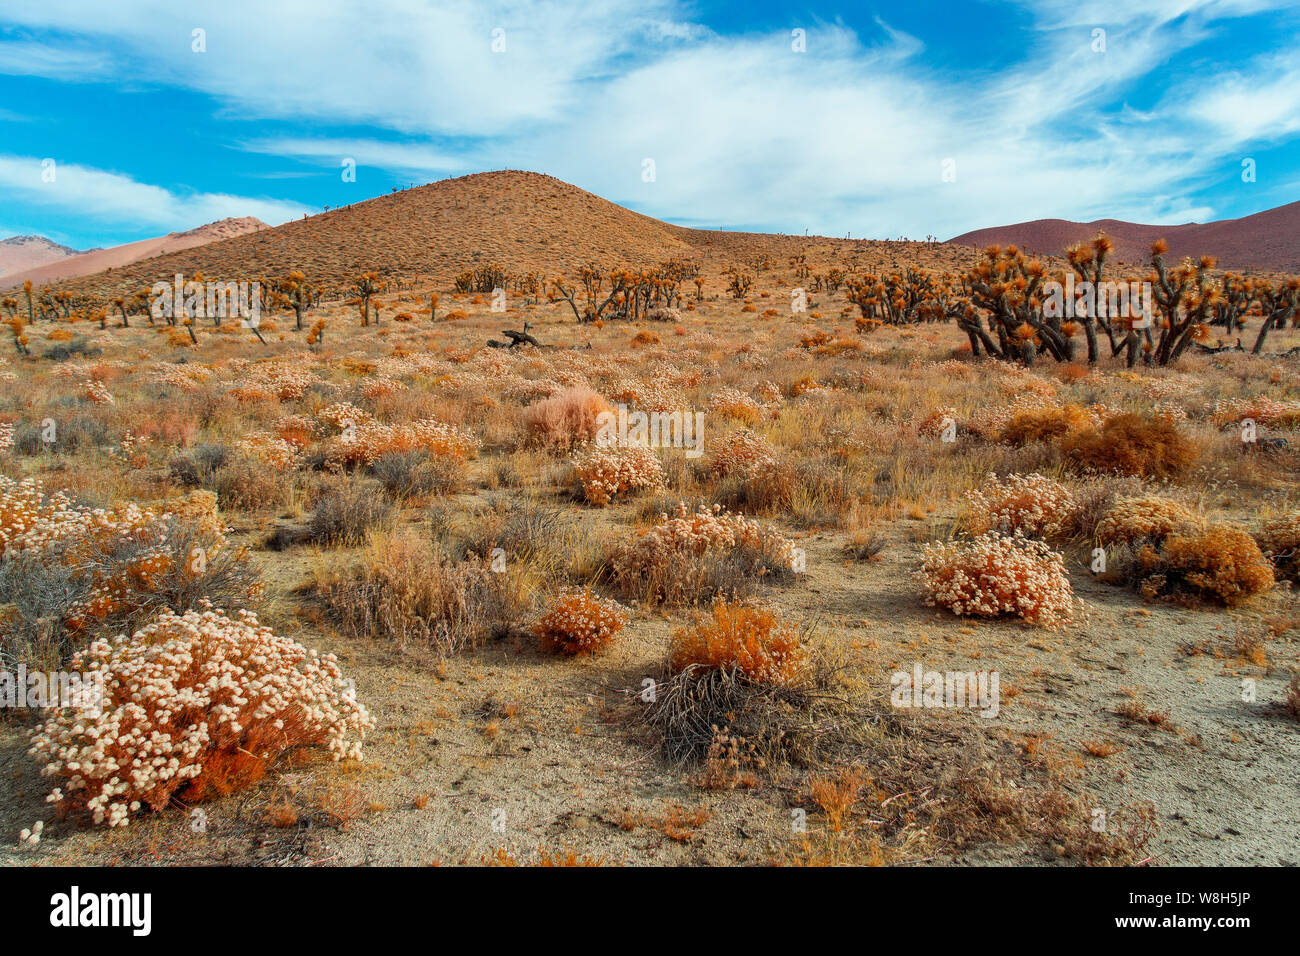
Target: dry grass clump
[579,622]
[414,475]
[602,475]
[404,592]
[997,574]
[346,512]
[1034,505]
[1149,518]
[193,706]
[690,557]
[745,638]
[1279,538]
[565,420]
[1129,444]
[1221,562]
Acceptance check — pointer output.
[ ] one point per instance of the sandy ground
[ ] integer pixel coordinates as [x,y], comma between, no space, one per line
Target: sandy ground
[508,748]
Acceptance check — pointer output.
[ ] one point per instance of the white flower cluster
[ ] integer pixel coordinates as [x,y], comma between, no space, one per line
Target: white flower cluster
[191,701]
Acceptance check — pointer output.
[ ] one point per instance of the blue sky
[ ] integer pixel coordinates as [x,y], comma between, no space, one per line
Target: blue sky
[848,136]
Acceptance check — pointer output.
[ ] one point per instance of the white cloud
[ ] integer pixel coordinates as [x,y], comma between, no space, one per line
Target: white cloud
[97,194]
[848,136]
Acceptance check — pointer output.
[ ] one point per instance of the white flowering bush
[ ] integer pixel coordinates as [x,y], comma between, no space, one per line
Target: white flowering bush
[603,474]
[996,574]
[1034,505]
[688,556]
[193,706]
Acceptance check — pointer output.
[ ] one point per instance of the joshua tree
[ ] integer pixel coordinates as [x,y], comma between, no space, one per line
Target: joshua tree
[1188,287]
[433,306]
[1277,303]
[366,286]
[297,292]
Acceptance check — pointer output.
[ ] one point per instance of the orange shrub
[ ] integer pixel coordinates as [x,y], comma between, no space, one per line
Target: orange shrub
[735,404]
[1280,540]
[646,337]
[578,622]
[1150,517]
[1044,423]
[745,638]
[1129,444]
[1222,562]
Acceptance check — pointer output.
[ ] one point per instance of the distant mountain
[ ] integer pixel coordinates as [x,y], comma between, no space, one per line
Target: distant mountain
[29,252]
[523,221]
[97,260]
[1267,241]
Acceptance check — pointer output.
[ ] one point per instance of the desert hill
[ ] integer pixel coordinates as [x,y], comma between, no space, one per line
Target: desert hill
[1268,241]
[522,220]
[20,253]
[115,257]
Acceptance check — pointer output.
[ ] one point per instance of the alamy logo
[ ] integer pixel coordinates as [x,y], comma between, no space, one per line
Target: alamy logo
[37,689]
[207,300]
[103,909]
[651,430]
[922,688]
[1116,300]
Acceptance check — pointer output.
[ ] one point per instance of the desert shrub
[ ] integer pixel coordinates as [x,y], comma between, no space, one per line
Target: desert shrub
[73,432]
[690,557]
[346,512]
[565,420]
[746,638]
[601,475]
[578,622]
[997,574]
[408,474]
[739,452]
[1129,444]
[192,706]
[1034,505]
[1279,538]
[1044,423]
[246,484]
[198,467]
[1149,518]
[418,598]
[1221,562]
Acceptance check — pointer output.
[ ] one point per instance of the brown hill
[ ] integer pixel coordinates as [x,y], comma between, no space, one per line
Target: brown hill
[1267,241]
[115,257]
[20,253]
[522,220]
